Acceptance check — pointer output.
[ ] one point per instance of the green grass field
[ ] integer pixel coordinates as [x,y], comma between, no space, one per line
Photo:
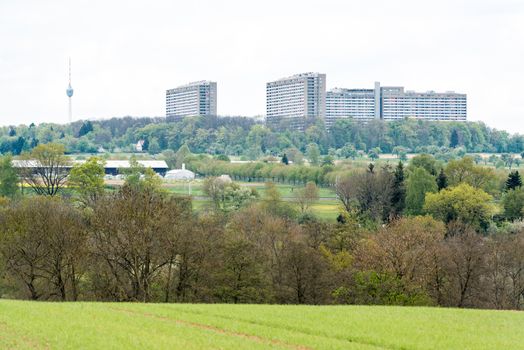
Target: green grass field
[286,190]
[327,208]
[38,325]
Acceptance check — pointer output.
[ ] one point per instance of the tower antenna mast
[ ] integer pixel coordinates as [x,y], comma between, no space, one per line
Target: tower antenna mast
[69,93]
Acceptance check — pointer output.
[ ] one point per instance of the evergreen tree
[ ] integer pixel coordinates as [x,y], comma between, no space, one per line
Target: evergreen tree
[34,143]
[454,139]
[398,195]
[514,181]
[284,159]
[442,180]
[85,129]
[18,146]
[145,145]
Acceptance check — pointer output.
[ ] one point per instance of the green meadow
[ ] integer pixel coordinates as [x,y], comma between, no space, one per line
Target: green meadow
[285,190]
[40,325]
[326,208]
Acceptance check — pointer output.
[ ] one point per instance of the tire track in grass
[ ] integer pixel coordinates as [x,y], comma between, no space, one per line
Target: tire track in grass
[348,339]
[217,330]
[30,343]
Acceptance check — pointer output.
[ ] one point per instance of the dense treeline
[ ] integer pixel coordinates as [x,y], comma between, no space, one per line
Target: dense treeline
[246,137]
[147,246]
[328,174]
[416,235]
[259,171]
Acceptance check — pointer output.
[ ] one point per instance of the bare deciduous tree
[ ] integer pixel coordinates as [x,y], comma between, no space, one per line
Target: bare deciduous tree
[465,258]
[129,232]
[404,249]
[45,168]
[306,196]
[43,244]
[369,191]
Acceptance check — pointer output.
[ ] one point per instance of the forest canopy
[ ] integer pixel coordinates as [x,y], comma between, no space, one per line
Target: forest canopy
[240,136]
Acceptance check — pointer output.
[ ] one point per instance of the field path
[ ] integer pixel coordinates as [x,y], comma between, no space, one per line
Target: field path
[346,342]
[252,337]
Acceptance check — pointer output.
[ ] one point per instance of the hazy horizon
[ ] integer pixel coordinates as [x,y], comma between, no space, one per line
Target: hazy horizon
[125,54]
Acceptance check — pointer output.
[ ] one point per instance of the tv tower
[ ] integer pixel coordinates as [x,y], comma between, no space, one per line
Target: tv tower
[69,93]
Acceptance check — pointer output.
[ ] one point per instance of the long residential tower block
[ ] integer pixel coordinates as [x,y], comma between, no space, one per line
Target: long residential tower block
[194,99]
[392,103]
[296,99]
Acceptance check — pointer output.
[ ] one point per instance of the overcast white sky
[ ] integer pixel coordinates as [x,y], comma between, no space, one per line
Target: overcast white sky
[127,53]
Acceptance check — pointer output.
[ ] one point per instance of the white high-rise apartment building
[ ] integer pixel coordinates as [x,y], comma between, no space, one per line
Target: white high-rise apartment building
[346,103]
[194,99]
[391,103]
[399,104]
[296,99]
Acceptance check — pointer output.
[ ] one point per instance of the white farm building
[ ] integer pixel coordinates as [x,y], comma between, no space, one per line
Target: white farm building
[111,167]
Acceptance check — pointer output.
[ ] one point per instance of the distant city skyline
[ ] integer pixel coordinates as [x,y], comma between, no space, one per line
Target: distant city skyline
[303,97]
[127,53]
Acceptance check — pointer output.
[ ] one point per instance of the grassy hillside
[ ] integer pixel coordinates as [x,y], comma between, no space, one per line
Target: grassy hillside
[29,325]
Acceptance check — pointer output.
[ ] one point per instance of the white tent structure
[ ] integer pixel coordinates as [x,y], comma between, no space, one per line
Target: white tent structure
[180,174]
[225,179]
